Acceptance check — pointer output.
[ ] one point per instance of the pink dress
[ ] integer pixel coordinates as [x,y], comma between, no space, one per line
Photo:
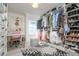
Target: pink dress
[39,35]
[44,36]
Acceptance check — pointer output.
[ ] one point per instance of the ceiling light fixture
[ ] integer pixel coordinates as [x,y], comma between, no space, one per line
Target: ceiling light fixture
[35,5]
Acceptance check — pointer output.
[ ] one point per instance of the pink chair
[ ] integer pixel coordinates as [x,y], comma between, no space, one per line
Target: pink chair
[16,38]
[16,35]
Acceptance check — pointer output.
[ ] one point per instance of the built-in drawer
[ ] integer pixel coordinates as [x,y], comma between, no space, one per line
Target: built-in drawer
[3,21]
[3,33]
[0,19]
[2,38]
[2,43]
[3,26]
[2,51]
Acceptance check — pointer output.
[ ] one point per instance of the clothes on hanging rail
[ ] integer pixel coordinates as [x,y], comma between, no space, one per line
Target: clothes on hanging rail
[44,22]
[39,24]
[61,13]
[54,38]
[50,18]
[39,34]
[55,20]
[44,35]
[66,28]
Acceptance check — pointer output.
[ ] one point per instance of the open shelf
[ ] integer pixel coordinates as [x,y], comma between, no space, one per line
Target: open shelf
[73,15]
[70,44]
[74,26]
[73,21]
[73,40]
[75,49]
[73,10]
[75,30]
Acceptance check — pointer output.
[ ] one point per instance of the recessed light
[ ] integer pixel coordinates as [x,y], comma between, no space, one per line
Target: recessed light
[35,5]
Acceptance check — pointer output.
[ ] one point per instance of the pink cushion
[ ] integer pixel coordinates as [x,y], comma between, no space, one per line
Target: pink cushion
[16,34]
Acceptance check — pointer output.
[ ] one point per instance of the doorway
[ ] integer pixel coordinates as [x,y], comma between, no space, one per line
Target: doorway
[16,31]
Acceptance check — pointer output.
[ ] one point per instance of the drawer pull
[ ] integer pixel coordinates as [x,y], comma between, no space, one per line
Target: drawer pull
[2,27]
[2,54]
[2,44]
[2,36]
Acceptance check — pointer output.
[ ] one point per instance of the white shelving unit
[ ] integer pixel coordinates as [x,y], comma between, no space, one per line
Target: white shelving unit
[74,27]
[3,29]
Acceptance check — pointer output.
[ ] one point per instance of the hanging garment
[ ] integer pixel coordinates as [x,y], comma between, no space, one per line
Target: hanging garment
[44,36]
[39,24]
[54,38]
[61,31]
[50,20]
[39,35]
[42,23]
[61,13]
[59,21]
[66,28]
[55,20]
[45,21]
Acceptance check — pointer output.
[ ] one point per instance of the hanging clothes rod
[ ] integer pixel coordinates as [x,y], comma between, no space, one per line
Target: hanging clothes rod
[49,12]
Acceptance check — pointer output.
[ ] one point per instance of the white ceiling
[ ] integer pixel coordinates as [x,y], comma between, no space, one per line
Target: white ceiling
[24,8]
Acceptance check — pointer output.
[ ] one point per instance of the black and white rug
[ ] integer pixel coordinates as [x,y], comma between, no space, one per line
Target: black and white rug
[43,51]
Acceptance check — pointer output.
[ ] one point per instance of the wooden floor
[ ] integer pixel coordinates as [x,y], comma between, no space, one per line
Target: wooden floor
[15,52]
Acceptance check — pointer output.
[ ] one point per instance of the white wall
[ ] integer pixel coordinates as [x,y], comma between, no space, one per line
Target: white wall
[11,22]
[30,17]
